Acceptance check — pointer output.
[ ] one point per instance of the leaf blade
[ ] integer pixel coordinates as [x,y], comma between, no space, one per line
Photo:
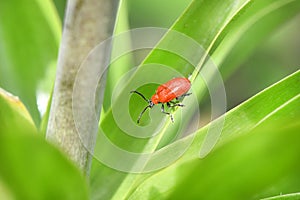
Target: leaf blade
[30,167]
[27,48]
[247,118]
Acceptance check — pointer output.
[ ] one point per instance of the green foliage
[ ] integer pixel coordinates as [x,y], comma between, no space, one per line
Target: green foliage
[30,167]
[29,38]
[257,154]
[294,196]
[250,139]
[210,34]
[244,168]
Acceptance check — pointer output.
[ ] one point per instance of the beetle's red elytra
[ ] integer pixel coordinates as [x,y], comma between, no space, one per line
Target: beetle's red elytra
[165,94]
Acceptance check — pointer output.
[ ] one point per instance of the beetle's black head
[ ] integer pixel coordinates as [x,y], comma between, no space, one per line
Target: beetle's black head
[151,104]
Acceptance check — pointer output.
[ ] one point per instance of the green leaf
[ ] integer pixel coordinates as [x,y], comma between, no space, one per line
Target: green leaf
[30,167]
[60,7]
[249,30]
[155,13]
[12,112]
[244,168]
[274,105]
[29,38]
[124,63]
[294,196]
[202,32]
[5,193]
[207,27]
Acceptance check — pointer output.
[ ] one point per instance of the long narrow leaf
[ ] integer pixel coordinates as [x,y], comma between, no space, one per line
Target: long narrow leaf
[30,167]
[281,99]
[195,25]
[29,37]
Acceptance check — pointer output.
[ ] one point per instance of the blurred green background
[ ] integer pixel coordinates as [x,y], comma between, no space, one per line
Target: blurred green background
[30,34]
[275,57]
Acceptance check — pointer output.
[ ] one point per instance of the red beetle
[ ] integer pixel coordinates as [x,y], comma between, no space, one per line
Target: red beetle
[166,93]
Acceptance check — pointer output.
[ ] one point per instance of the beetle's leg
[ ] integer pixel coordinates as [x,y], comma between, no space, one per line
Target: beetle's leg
[167,113]
[174,104]
[184,95]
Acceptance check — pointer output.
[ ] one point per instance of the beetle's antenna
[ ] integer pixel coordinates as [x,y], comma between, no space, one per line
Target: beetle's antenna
[141,114]
[148,101]
[134,91]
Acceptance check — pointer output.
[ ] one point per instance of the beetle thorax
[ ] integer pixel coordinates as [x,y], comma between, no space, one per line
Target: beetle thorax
[155,99]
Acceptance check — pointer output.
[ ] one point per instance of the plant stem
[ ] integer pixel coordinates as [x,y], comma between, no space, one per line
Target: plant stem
[87,23]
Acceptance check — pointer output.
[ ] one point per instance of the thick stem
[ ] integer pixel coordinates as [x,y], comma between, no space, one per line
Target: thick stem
[87,23]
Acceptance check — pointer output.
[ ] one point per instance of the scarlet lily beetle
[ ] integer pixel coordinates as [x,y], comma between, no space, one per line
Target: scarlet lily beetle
[165,94]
